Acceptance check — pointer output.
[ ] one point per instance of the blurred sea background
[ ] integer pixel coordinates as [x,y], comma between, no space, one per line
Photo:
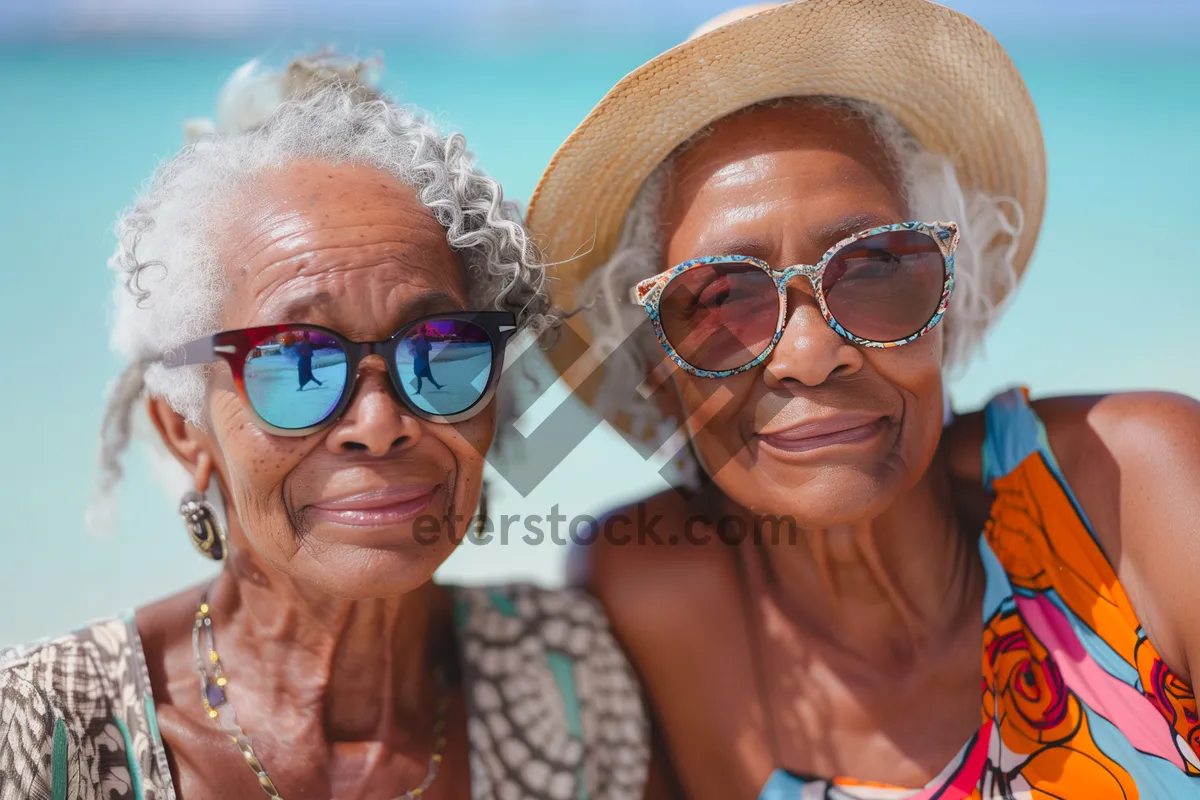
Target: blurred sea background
[93,93]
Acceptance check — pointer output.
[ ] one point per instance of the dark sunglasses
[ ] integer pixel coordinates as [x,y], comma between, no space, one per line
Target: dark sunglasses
[717,316]
[298,379]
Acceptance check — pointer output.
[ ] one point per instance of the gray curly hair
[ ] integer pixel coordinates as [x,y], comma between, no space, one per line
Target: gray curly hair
[985,271]
[169,285]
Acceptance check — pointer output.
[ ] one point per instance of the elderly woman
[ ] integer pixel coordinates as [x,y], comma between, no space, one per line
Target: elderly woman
[817,208]
[314,247]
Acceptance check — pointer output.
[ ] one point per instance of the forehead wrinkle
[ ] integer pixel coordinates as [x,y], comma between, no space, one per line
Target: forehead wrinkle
[324,307]
[326,261]
[291,202]
[317,248]
[743,172]
[760,134]
[259,244]
[270,283]
[297,233]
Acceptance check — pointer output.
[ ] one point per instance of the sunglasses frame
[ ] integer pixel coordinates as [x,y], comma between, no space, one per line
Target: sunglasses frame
[648,293]
[234,346]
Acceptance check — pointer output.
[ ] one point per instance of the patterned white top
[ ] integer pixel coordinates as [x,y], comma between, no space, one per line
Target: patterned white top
[553,709]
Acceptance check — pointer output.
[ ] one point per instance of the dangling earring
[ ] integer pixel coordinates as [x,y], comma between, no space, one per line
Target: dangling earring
[204,526]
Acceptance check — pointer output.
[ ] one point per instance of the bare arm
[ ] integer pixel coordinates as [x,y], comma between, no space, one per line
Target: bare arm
[1134,461]
[617,574]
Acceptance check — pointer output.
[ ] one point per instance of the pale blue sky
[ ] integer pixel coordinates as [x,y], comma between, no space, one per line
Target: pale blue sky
[1126,19]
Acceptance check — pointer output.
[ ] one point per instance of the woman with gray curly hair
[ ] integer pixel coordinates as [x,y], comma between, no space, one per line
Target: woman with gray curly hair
[798,221]
[275,279]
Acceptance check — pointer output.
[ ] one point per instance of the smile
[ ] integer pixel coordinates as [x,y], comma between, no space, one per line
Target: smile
[843,430]
[376,509]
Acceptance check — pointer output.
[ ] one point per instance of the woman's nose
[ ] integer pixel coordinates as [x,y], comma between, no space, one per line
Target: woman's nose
[374,422]
[810,351]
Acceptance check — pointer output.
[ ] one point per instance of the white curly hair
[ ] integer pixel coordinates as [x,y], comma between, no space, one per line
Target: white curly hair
[169,284]
[985,271]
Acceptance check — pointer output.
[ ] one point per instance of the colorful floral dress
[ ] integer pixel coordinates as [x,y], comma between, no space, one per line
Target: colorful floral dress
[1077,703]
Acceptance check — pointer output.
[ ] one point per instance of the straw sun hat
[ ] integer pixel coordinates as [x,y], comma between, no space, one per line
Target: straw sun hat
[938,72]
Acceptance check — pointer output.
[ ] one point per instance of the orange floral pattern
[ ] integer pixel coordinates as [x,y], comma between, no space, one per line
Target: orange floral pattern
[1077,702]
[1029,700]
[1039,719]
[1173,698]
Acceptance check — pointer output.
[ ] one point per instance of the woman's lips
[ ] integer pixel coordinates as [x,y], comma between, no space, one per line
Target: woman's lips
[376,509]
[840,430]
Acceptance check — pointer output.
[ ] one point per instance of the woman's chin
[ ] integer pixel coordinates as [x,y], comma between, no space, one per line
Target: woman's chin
[406,536]
[817,498]
[359,572]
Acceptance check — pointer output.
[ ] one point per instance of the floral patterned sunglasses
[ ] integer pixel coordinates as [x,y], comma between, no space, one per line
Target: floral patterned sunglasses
[720,315]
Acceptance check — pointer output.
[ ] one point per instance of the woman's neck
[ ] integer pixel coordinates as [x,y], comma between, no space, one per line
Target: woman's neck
[363,669]
[883,589]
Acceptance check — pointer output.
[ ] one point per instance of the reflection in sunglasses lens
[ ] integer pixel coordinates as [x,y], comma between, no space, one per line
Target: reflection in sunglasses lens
[720,316]
[295,379]
[444,366]
[886,287]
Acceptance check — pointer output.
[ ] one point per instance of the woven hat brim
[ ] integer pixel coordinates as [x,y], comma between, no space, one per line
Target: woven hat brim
[939,73]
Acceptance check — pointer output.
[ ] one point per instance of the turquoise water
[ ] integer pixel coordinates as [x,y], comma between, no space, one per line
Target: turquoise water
[1109,301]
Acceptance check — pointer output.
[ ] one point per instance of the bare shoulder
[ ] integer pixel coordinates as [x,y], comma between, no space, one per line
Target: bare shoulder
[1097,438]
[1149,423]
[1128,425]
[1133,461]
[643,557]
[1122,453]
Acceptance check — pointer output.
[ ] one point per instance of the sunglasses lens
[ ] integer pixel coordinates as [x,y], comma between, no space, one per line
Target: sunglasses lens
[295,379]
[886,287]
[445,365]
[720,316]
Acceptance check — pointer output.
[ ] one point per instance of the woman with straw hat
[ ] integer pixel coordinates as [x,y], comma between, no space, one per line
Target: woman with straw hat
[791,226]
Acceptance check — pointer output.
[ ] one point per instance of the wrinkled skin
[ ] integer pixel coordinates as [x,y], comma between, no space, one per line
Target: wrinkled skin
[868,620]
[784,186]
[329,632]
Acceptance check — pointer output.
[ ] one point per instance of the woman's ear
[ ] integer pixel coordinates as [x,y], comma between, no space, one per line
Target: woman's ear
[189,445]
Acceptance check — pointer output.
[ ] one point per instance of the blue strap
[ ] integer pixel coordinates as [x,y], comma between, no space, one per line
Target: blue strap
[1014,432]
[135,769]
[782,786]
[562,667]
[58,762]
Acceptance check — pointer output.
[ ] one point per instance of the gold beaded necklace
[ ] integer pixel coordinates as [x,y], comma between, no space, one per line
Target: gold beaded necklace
[220,711]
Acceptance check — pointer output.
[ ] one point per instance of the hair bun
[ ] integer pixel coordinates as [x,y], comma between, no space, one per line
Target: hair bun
[254,92]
